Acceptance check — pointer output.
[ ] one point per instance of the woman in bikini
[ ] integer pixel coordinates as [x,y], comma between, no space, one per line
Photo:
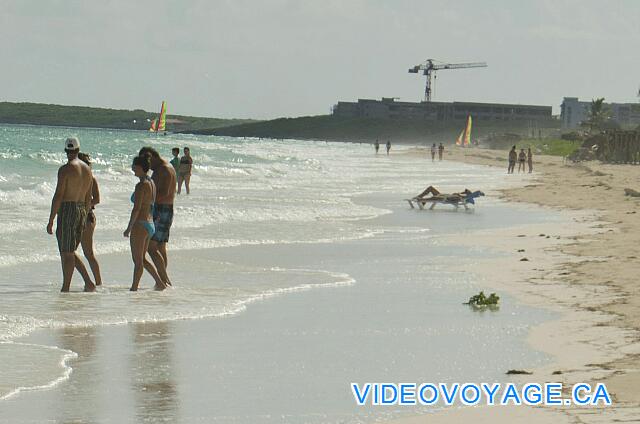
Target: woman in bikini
[90,226]
[184,170]
[522,158]
[141,226]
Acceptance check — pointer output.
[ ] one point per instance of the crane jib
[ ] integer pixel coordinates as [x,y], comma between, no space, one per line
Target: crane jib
[429,67]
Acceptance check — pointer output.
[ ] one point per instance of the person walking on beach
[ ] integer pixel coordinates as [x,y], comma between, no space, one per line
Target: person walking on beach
[513,157]
[184,172]
[433,152]
[141,228]
[530,160]
[440,151]
[388,146]
[164,178]
[87,234]
[70,203]
[376,145]
[522,158]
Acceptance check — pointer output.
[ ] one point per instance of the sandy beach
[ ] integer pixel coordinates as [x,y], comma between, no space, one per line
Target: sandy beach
[586,271]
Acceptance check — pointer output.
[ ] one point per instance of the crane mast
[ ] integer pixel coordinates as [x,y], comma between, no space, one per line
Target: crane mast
[429,68]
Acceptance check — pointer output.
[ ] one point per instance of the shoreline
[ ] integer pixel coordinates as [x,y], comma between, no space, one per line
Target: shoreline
[595,339]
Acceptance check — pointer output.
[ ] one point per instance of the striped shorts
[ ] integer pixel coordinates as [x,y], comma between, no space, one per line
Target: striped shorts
[72,217]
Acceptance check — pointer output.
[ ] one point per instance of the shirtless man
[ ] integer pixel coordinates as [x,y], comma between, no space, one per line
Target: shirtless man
[164,177]
[71,203]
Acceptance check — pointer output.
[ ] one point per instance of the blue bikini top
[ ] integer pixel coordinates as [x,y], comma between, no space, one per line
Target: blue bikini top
[153,204]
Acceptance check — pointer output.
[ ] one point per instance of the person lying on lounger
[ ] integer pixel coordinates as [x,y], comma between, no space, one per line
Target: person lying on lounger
[465,195]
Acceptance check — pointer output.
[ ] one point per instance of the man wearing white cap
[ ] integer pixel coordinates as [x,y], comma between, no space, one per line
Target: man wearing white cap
[71,203]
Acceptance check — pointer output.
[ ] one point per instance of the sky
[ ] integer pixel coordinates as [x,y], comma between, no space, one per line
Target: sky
[272,58]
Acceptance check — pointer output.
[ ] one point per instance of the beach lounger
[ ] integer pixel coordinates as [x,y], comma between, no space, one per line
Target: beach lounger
[455,201]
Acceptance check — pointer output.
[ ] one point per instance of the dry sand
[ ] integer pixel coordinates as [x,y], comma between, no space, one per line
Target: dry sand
[587,271]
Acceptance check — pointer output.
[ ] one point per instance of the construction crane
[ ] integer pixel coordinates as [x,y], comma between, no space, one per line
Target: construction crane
[429,68]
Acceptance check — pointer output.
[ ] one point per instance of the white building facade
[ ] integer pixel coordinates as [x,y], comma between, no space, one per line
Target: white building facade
[573,112]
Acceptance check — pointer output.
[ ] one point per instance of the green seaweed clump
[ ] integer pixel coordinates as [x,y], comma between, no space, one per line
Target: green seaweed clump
[481,300]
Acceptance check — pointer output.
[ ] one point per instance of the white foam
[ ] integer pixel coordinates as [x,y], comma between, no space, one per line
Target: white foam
[19,373]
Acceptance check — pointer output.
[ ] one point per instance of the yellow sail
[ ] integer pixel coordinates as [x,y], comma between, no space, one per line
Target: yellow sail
[163,117]
[467,133]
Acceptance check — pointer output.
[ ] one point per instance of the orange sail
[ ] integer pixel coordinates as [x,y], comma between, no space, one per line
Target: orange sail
[152,128]
[459,139]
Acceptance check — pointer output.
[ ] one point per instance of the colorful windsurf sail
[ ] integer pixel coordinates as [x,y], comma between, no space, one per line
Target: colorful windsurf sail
[163,117]
[467,133]
[160,123]
[464,139]
[459,139]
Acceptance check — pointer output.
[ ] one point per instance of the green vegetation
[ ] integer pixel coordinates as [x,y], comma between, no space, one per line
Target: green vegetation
[481,300]
[564,146]
[329,127]
[600,117]
[551,146]
[81,116]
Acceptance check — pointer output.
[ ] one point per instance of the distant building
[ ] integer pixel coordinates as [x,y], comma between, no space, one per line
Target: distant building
[573,112]
[440,111]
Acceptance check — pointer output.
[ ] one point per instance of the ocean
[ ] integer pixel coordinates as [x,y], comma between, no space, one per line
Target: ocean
[298,269]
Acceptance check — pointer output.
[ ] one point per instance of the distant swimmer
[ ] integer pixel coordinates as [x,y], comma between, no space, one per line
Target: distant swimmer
[141,228]
[70,203]
[433,152]
[184,172]
[164,178]
[388,146]
[440,151]
[513,157]
[376,145]
[89,228]
[522,158]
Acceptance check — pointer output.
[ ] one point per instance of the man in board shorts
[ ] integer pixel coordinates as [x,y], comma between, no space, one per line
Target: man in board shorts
[71,203]
[164,176]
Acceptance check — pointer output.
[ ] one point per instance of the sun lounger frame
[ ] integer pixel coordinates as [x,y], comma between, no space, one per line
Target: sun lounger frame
[421,203]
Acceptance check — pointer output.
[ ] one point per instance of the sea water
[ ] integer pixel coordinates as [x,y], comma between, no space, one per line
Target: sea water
[266,220]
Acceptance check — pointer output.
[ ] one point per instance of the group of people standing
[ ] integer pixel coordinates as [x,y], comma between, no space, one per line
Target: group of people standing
[521,158]
[439,150]
[182,166]
[77,194]
[376,145]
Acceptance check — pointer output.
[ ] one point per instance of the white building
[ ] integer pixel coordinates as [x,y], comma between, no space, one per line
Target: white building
[388,108]
[573,112]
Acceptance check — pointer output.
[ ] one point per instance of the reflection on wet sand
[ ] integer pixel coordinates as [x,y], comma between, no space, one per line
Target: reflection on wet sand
[153,384]
[83,383]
